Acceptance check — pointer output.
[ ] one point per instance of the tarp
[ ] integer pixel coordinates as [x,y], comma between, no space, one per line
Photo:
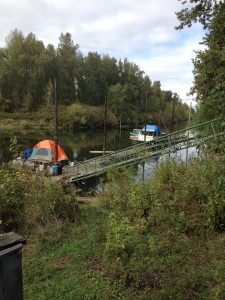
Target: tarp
[49,144]
[26,153]
[41,155]
[153,127]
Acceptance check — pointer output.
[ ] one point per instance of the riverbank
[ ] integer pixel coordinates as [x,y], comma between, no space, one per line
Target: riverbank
[77,116]
[11,125]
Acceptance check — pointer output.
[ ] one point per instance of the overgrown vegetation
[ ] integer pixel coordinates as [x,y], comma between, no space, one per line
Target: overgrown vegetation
[161,239]
[29,201]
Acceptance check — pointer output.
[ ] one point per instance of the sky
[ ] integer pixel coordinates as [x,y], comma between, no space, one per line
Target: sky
[141,31]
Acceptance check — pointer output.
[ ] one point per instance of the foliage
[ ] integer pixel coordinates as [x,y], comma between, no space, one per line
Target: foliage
[201,11]
[65,66]
[28,201]
[28,71]
[14,147]
[209,69]
[87,116]
[156,239]
[177,207]
[161,239]
[209,65]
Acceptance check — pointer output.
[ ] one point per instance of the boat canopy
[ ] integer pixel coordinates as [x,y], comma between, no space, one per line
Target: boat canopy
[154,128]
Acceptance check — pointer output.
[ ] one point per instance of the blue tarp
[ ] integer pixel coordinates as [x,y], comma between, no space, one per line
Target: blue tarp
[153,127]
[27,153]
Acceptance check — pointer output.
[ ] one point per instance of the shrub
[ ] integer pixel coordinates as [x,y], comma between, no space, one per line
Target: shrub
[28,200]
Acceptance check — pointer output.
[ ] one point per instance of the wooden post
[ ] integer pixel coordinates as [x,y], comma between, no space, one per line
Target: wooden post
[56,123]
[146,105]
[171,128]
[188,135]
[105,117]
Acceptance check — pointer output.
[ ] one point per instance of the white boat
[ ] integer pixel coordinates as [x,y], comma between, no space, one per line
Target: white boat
[134,134]
[146,134]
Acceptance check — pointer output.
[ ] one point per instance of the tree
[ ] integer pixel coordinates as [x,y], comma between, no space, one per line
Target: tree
[34,70]
[22,72]
[209,64]
[209,70]
[132,76]
[116,97]
[49,92]
[66,66]
[12,68]
[94,81]
[201,11]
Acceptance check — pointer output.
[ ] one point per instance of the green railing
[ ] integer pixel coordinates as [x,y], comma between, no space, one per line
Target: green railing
[194,136]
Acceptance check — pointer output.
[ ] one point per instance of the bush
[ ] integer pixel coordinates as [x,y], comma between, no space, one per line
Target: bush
[28,200]
[159,233]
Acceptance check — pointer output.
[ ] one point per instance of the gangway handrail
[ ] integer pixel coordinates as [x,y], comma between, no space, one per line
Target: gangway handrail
[144,150]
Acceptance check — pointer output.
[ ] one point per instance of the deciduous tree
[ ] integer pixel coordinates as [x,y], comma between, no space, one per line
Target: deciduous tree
[209,64]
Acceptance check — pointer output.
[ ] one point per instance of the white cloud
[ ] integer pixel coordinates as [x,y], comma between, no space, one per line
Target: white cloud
[141,31]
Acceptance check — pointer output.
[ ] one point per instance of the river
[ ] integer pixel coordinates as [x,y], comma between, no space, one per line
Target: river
[78,145]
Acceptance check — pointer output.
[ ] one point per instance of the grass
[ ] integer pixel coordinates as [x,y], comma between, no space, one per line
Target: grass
[69,262]
[162,239]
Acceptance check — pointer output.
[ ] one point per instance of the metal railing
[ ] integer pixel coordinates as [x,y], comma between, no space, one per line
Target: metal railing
[194,136]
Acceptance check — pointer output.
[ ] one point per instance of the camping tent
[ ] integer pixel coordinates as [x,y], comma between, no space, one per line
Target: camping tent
[41,155]
[49,144]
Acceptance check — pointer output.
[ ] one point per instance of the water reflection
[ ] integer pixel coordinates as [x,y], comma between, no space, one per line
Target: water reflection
[78,145]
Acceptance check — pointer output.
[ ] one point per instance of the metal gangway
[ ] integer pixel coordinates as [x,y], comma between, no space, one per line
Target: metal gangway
[194,136]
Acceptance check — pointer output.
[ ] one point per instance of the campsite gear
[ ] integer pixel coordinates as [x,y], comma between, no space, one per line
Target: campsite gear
[55,170]
[49,144]
[41,168]
[41,155]
[26,153]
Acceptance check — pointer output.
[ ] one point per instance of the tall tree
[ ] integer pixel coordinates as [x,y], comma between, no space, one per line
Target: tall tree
[209,69]
[209,64]
[12,79]
[34,60]
[93,92]
[116,97]
[66,66]
[22,68]
[132,76]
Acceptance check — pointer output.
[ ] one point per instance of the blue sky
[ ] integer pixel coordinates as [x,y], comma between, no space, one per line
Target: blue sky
[141,31]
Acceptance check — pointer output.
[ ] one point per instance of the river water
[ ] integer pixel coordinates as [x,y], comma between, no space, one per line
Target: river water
[78,145]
